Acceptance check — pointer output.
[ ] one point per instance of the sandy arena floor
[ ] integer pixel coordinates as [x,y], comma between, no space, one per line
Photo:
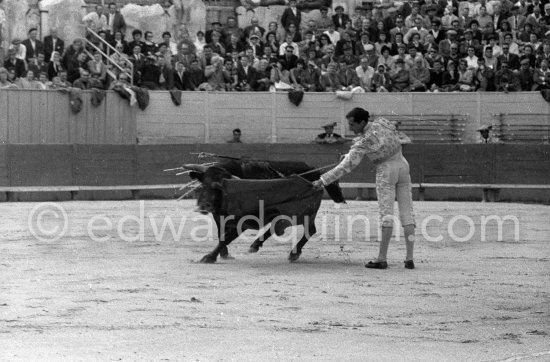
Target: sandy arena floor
[142,296]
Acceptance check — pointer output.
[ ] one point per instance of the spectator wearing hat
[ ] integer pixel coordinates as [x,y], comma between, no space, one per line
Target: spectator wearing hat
[505,79]
[291,15]
[32,44]
[381,80]
[339,19]
[526,76]
[401,77]
[541,76]
[329,137]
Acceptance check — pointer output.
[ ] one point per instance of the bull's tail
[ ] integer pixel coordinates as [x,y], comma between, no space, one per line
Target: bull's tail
[335,192]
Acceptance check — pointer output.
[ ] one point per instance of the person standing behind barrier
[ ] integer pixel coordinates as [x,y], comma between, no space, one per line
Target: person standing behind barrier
[379,141]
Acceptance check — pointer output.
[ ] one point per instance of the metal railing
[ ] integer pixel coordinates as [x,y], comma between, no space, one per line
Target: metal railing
[107,57]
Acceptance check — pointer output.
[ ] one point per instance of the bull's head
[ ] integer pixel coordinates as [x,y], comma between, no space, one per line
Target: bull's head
[209,194]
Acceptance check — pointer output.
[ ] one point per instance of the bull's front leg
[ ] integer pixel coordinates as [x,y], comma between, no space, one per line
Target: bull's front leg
[309,231]
[226,238]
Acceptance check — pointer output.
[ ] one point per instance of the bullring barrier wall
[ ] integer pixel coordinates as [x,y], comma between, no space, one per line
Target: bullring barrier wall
[95,165]
[45,117]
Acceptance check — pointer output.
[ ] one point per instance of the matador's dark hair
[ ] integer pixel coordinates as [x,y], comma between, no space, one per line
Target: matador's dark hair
[358,114]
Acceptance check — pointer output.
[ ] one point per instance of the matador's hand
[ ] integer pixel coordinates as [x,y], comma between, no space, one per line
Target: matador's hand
[318,185]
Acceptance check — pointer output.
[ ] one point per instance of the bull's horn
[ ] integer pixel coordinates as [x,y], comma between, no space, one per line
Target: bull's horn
[194,167]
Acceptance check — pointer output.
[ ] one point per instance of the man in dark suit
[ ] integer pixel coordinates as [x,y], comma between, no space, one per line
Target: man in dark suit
[289,60]
[180,77]
[52,43]
[291,15]
[137,58]
[115,20]
[339,19]
[14,63]
[246,74]
[33,45]
[510,58]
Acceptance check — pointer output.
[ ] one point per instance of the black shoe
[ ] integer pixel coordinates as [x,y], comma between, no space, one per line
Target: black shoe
[409,264]
[376,265]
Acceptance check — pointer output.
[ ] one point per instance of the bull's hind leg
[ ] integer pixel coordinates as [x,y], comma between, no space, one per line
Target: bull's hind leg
[257,244]
[309,231]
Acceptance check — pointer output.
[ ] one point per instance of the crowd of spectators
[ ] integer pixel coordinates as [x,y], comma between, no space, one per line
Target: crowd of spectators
[424,46]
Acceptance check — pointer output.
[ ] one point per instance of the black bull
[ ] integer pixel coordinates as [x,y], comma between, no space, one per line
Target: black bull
[239,197]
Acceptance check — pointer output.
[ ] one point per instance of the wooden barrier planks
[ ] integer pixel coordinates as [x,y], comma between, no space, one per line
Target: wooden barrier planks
[458,163]
[152,160]
[4,166]
[105,165]
[36,165]
[522,164]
